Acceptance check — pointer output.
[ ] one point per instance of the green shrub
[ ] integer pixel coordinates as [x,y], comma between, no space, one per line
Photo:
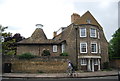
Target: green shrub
[26,56]
[64,54]
[39,71]
[46,53]
[12,52]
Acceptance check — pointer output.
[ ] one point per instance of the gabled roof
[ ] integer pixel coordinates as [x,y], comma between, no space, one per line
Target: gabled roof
[79,21]
[84,17]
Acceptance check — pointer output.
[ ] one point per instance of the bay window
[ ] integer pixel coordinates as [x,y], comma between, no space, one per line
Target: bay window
[92,32]
[82,32]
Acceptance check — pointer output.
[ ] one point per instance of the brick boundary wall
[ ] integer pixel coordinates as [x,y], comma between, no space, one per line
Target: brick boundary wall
[115,63]
[37,65]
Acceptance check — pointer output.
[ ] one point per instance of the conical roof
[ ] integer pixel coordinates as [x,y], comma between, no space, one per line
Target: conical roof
[38,36]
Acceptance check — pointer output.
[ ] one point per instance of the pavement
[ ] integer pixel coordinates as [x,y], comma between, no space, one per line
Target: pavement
[61,75]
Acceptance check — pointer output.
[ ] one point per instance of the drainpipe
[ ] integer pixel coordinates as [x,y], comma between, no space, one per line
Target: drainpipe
[76,28]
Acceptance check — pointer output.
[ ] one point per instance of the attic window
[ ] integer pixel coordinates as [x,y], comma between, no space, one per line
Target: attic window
[88,21]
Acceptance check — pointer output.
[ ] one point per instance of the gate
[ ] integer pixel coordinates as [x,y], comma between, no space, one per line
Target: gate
[7,67]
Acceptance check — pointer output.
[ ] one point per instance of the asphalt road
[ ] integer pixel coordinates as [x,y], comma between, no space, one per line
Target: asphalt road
[108,78]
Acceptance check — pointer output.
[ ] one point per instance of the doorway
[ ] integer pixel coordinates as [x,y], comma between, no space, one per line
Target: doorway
[7,67]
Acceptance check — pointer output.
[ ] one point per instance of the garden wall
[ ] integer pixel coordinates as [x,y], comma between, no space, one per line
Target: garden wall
[38,65]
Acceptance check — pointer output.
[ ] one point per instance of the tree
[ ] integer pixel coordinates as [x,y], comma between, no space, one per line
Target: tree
[114,45]
[18,37]
[9,46]
[2,28]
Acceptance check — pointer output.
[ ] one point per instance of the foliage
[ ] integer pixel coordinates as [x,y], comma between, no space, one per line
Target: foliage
[18,37]
[46,53]
[26,56]
[64,54]
[114,45]
[108,69]
[2,28]
[11,52]
[105,65]
[9,44]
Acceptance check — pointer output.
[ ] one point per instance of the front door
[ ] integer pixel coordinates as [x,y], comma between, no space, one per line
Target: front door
[91,65]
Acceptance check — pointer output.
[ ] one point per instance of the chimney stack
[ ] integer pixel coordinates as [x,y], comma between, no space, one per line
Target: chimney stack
[74,17]
[54,33]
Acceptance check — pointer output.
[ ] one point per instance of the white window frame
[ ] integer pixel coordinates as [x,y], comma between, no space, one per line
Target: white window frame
[99,48]
[54,48]
[96,47]
[98,35]
[81,32]
[94,32]
[63,48]
[83,61]
[95,61]
[81,47]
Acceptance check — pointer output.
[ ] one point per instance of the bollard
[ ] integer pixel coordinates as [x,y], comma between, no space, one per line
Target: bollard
[119,75]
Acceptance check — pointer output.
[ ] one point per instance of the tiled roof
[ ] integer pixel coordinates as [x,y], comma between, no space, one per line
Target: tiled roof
[84,17]
[39,37]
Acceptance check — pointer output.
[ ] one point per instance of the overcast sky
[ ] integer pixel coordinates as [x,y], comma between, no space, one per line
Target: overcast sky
[21,16]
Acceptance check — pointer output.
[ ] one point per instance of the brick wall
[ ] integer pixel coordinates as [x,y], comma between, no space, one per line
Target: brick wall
[38,65]
[37,49]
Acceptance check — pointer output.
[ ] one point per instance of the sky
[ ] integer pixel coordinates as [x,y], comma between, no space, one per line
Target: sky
[21,16]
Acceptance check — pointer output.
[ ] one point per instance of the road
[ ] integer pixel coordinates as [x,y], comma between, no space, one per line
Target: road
[108,78]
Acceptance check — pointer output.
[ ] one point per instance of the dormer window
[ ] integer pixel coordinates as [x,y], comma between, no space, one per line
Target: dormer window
[82,32]
[92,32]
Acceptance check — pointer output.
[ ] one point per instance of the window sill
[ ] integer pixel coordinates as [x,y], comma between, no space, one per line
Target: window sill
[94,52]
[83,36]
[54,52]
[83,64]
[96,64]
[83,52]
